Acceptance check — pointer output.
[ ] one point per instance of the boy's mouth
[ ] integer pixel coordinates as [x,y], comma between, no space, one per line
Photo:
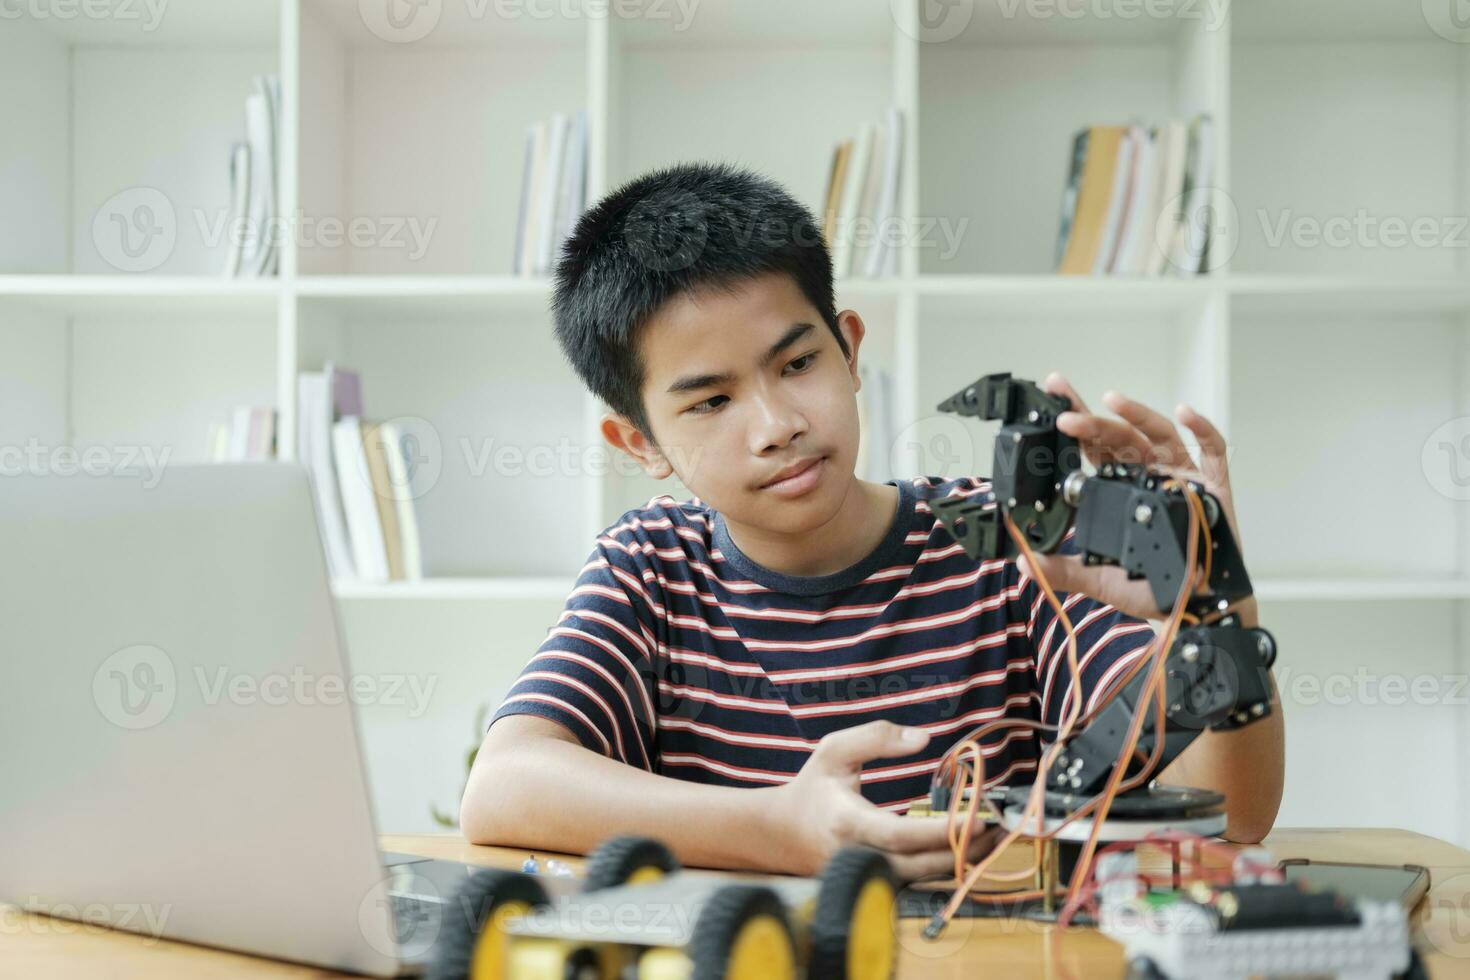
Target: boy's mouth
[798,478]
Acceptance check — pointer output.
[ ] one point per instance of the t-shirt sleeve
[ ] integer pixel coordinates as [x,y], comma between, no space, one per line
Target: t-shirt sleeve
[594,673]
[1109,641]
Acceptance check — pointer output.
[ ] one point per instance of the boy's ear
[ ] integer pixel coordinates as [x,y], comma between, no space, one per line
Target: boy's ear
[852,329]
[622,434]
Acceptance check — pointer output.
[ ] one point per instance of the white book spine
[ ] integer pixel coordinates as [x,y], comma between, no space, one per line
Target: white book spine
[314,405]
[365,529]
[1117,203]
[550,187]
[877,258]
[852,187]
[398,463]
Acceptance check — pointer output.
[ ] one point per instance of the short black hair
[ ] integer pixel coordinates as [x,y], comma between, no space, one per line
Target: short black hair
[672,231]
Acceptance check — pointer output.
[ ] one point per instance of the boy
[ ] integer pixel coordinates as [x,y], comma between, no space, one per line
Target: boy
[771,670]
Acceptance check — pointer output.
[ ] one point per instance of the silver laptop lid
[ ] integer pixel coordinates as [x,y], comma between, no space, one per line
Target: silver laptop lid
[181,754]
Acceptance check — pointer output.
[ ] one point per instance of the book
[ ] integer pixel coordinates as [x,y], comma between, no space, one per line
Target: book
[1139,162]
[236,227]
[1192,236]
[847,208]
[1069,193]
[523,210]
[1117,203]
[364,525]
[864,234]
[314,448]
[834,194]
[1093,200]
[261,113]
[400,468]
[384,500]
[531,242]
[1143,206]
[550,188]
[878,258]
[1168,197]
[572,193]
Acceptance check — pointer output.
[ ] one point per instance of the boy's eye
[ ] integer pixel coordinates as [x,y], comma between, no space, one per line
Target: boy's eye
[803,362]
[708,405]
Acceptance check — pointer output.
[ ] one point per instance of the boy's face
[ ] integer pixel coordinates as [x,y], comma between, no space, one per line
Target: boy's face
[751,402]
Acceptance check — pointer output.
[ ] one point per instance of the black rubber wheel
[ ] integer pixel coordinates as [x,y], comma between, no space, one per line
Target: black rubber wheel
[472,911]
[1143,968]
[733,916]
[844,879]
[1416,970]
[619,860]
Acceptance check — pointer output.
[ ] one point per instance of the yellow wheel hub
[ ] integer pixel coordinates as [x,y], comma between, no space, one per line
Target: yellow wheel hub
[870,941]
[761,951]
[489,959]
[645,875]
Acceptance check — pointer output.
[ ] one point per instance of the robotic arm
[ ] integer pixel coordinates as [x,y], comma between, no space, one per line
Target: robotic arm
[1125,515]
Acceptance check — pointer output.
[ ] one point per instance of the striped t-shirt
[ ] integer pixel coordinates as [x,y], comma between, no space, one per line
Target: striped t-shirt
[678,654]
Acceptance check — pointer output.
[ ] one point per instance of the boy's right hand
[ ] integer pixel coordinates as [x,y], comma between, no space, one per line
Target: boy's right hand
[823,808]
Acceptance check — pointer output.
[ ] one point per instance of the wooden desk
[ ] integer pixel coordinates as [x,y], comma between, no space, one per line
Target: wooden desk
[40,948]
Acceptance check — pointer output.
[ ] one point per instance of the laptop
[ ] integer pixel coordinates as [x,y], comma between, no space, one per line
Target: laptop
[181,754]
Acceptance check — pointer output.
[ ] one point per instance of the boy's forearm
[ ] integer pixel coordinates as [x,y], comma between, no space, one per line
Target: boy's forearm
[548,794]
[1248,765]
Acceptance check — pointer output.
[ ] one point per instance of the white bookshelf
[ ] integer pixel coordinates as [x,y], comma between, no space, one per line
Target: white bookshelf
[1328,366]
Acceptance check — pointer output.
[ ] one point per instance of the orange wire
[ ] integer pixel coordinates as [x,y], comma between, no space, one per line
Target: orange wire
[1071,708]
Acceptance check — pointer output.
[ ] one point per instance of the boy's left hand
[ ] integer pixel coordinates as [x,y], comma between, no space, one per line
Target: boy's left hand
[1138,435]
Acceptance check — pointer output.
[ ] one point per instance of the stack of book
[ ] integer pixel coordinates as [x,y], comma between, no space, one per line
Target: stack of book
[249,435]
[860,219]
[252,231]
[360,473]
[1137,201]
[553,190]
